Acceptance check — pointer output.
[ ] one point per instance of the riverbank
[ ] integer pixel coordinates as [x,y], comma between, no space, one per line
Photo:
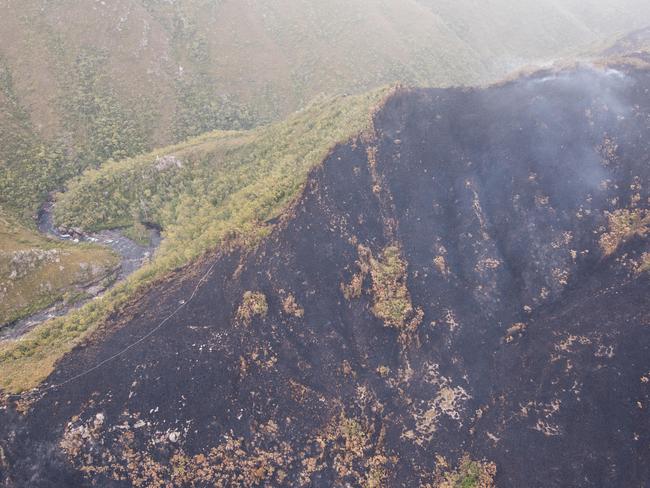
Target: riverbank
[132,256]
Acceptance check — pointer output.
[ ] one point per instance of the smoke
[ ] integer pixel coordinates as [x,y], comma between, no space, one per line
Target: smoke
[26,460]
[571,114]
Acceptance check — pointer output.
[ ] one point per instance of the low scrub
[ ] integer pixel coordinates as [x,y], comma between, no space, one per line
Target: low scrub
[623,225]
[222,187]
[392,300]
[253,304]
[469,474]
[390,293]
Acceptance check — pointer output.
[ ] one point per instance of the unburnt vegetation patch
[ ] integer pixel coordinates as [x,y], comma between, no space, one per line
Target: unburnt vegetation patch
[623,225]
[253,304]
[392,300]
[218,188]
[468,474]
[388,287]
[291,307]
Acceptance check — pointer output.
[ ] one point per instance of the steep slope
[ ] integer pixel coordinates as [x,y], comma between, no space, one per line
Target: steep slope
[84,82]
[469,276]
[211,191]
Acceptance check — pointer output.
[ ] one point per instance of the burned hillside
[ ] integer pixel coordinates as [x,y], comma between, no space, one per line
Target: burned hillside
[469,278]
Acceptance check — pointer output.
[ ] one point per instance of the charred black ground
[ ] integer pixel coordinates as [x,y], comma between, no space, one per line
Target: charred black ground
[523,340]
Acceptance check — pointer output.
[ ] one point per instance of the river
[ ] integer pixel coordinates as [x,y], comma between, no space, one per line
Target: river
[132,254]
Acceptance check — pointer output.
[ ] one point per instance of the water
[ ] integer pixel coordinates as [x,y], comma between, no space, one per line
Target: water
[132,254]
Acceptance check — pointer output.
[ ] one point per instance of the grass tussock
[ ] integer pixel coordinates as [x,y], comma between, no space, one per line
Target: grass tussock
[208,191]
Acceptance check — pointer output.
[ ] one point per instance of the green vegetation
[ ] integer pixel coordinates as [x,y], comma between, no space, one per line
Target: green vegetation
[253,304]
[104,128]
[470,474]
[35,272]
[32,166]
[200,111]
[623,225]
[27,167]
[147,73]
[218,184]
[391,295]
[138,232]
[218,188]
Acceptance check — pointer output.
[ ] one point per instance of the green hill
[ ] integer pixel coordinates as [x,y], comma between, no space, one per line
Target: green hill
[217,190]
[117,77]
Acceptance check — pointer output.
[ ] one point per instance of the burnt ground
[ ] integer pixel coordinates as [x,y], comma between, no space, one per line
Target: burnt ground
[531,349]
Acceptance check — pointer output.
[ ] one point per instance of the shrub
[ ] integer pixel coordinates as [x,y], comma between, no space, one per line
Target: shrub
[623,225]
[291,307]
[253,305]
[392,300]
[470,474]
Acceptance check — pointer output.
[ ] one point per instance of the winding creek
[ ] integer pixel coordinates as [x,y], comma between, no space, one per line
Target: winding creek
[132,257]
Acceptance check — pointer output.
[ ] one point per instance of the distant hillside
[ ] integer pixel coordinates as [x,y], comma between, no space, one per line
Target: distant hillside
[90,80]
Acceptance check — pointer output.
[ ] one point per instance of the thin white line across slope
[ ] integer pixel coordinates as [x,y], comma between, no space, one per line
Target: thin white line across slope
[132,345]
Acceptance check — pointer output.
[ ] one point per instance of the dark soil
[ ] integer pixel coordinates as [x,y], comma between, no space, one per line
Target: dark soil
[510,186]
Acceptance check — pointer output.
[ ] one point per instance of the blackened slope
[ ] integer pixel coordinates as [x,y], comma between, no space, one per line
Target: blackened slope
[527,160]
[532,347]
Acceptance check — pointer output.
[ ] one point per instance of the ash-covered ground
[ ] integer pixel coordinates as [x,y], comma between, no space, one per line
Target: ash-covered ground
[470,278]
